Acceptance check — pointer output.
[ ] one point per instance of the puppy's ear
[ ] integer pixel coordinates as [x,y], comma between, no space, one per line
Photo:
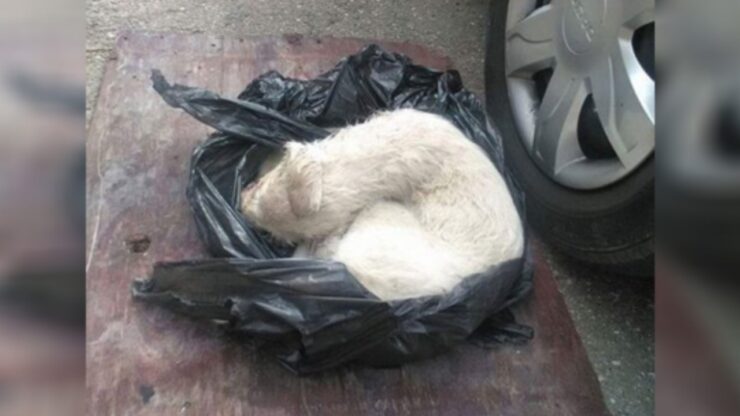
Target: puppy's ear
[303,180]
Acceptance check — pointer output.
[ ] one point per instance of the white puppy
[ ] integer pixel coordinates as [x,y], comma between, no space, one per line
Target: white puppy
[404,200]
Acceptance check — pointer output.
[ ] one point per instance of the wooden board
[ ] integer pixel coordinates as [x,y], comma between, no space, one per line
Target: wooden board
[144,360]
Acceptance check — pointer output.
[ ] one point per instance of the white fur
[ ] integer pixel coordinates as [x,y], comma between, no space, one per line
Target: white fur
[405,200]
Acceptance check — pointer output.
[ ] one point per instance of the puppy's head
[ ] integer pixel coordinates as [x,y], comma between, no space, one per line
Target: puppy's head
[283,200]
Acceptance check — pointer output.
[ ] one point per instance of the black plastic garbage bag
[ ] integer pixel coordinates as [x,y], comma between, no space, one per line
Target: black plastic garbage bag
[313,314]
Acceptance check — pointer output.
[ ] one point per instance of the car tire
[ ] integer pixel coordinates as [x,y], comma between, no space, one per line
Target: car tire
[611,226]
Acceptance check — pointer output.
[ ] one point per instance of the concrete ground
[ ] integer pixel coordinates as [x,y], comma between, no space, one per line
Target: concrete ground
[614,317]
[614,314]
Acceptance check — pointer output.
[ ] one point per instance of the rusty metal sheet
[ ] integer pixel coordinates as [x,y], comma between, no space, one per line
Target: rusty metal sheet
[148,361]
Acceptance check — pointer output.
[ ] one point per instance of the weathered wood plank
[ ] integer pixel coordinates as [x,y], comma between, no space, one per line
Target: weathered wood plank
[144,360]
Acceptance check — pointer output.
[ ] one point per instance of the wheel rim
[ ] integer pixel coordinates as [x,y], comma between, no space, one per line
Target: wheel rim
[588,45]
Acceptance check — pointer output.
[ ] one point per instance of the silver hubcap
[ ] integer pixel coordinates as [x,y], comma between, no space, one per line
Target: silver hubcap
[588,44]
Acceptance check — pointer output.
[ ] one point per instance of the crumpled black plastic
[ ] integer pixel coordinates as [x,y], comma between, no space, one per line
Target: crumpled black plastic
[313,314]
